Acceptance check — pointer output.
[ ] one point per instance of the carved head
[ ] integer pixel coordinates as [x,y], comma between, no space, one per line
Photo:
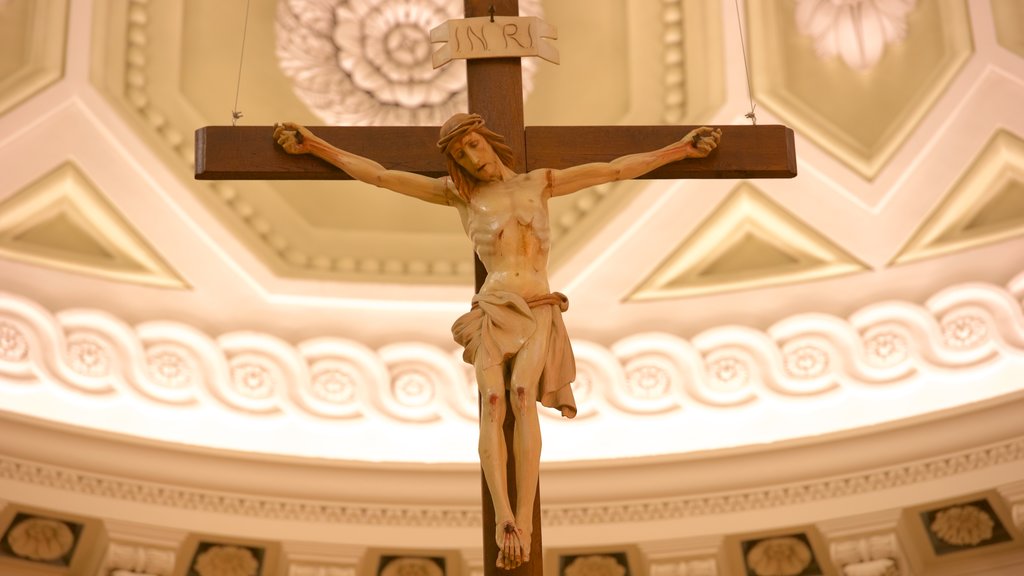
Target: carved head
[453,132]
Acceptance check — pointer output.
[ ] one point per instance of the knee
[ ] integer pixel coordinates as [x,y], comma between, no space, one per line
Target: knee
[519,399]
[493,403]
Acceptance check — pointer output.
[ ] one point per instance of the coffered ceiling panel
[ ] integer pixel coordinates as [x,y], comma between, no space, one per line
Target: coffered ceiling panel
[32,41]
[856,78]
[1008,17]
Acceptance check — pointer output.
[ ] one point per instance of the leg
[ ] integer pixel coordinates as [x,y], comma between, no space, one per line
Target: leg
[525,381]
[493,453]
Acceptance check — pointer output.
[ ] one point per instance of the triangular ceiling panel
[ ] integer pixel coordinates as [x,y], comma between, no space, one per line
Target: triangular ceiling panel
[749,242]
[985,206]
[63,221]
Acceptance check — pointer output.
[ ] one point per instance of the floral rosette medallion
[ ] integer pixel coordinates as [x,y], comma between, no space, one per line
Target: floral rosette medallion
[368,62]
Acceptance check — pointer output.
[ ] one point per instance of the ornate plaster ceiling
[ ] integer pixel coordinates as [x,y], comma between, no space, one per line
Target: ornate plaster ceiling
[881,286]
[327,301]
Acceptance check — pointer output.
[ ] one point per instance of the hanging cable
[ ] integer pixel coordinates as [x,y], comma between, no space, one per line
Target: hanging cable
[743,47]
[235,113]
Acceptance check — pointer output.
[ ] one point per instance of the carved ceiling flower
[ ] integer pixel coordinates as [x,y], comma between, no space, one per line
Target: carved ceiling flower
[412,387]
[368,62]
[886,348]
[728,374]
[40,539]
[13,347]
[786,556]
[226,561]
[254,377]
[855,30]
[964,332]
[333,385]
[648,381]
[88,356]
[597,565]
[169,367]
[806,362]
[963,525]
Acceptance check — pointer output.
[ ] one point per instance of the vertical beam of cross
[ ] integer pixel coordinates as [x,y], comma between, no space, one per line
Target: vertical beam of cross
[495,88]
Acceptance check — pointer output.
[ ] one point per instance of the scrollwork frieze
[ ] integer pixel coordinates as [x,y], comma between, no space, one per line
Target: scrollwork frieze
[801,357]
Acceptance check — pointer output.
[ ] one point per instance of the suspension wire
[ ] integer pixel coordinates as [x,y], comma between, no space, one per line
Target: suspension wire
[235,112]
[743,47]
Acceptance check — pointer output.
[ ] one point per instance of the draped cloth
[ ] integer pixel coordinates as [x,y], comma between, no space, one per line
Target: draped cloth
[499,324]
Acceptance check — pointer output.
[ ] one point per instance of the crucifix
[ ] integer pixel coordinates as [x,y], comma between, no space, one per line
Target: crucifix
[500,187]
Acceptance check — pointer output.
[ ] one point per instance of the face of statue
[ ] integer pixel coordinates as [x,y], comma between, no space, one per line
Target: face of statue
[475,154]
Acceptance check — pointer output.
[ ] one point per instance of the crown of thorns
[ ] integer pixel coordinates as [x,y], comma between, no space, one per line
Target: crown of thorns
[464,124]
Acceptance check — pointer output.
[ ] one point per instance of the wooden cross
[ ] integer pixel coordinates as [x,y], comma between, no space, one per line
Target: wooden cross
[495,92]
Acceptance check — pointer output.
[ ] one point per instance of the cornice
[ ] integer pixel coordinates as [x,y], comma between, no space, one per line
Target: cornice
[983,441]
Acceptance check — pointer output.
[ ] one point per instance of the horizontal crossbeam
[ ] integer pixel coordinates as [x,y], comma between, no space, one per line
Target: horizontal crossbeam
[250,153]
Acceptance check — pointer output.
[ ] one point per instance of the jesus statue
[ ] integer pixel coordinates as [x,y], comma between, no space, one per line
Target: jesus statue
[513,335]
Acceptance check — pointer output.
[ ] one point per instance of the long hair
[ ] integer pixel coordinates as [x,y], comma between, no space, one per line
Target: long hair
[452,133]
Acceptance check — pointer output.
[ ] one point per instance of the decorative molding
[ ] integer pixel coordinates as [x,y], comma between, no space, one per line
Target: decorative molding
[690,557]
[779,555]
[761,498]
[866,545]
[234,504]
[320,570]
[1013,494]
[135,89]
[309,559]
[878,555]
[594,565]
[805,356]
[676,104]
[141,548]
[777,496]
[963,526]
[411,566]
[227,560]
[43,540]
[706,567]
[138,559]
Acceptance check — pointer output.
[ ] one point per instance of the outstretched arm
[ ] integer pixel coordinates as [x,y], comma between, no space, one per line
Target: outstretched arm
[297,139]
[697,144]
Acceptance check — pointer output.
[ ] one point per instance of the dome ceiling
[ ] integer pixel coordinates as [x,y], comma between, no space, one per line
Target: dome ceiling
[313,305]
[256,329]
[894,257]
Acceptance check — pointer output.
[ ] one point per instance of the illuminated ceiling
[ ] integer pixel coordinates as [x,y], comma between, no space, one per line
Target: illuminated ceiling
[882,284]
